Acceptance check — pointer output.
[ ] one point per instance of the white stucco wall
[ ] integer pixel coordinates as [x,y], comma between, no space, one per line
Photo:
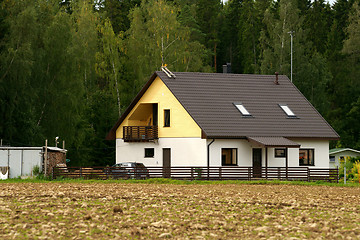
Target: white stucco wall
[244,151]
[184,152]
[244,147]
[193,152]
[321,152]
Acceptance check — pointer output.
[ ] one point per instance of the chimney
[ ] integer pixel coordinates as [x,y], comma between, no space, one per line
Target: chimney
[227,68]
[276,78]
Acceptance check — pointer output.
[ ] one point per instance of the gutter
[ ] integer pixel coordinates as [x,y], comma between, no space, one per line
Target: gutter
[208,155]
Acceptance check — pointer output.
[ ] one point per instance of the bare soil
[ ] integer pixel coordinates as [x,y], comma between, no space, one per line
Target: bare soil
[154,211]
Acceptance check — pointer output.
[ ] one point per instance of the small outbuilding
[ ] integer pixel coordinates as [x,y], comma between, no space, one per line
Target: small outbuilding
[336,155]
[20,161]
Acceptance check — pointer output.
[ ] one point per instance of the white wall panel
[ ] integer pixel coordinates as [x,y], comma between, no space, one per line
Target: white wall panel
[184,151]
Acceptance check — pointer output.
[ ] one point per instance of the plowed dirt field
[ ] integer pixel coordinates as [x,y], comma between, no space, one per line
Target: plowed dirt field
[154,211]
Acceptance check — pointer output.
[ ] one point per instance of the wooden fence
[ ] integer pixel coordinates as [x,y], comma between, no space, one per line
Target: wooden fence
[201,173]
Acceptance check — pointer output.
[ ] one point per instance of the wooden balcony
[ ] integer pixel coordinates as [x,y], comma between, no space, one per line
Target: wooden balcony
[140,133]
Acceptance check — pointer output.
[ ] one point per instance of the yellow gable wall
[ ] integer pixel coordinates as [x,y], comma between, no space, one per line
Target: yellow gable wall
[181,123]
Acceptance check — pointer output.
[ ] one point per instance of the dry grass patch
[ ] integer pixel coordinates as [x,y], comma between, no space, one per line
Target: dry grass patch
[152,211]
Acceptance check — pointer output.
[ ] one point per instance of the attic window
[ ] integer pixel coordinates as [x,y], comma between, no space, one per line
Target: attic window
[287,110]
[242,109]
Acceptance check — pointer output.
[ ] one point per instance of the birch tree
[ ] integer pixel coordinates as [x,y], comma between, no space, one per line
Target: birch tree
[156,37]
[109,60]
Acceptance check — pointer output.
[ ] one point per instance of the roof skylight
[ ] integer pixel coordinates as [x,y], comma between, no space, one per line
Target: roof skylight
[242,109]
[287,110]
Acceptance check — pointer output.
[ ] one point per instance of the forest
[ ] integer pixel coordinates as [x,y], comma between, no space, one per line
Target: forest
[69,68]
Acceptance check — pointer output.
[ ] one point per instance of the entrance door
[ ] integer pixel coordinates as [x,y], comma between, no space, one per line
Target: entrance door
[166,162]
[257,152]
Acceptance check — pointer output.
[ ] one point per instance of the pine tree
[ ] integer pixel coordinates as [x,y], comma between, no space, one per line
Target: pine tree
[207,14]
[118,13]
[17,124]
[350,87]
[318,20]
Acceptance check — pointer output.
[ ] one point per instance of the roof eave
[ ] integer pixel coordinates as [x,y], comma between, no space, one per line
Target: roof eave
[345,149]
[244,137]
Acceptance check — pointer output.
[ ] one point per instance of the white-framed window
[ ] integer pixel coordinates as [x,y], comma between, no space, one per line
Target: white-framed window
[280,152]
[242,109]
[287,110]
[229,156]
[306,157]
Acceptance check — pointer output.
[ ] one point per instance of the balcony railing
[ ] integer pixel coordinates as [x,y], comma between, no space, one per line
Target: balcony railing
[140,133]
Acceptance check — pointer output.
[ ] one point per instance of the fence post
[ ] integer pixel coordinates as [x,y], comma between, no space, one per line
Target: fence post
[192,173]
[278,173]
[266,173]
[308,174]
[220,173]
[249,173]
[208,173]
[80,172]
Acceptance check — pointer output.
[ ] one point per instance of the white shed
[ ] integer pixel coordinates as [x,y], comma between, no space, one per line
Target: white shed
[337,154]
[21,160]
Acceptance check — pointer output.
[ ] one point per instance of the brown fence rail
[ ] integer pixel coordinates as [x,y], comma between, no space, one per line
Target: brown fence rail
[201,173]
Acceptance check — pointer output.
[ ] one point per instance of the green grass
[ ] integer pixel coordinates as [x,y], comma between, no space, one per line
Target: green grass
[181,182]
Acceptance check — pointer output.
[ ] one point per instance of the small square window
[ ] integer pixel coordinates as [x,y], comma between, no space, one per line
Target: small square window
[332,158]
[229,156]
[280,152]
[167,118]
[149,152]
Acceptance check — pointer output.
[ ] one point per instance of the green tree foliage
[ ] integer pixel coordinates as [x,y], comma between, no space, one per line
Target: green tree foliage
[70,68]
[318,20]
[110,62]
[118,13]
[250,26]
[207,15]
[275,39]
[346,113]
[156,37]
[16,60]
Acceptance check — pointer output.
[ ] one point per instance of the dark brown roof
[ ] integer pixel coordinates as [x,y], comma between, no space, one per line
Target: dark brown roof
[209,98]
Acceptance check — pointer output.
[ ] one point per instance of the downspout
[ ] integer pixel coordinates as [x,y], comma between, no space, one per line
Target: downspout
[208,157]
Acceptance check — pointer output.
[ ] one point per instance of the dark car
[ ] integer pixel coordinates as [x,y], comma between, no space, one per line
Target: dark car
[128,170]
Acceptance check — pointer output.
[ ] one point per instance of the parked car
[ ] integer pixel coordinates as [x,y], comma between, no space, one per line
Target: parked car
[128,170]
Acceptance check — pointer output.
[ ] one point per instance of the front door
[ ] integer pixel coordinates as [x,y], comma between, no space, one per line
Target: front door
[257,153]
[166,162]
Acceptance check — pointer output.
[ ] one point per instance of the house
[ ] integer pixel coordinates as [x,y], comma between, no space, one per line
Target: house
[20,161]
[336,155]
[218,119]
